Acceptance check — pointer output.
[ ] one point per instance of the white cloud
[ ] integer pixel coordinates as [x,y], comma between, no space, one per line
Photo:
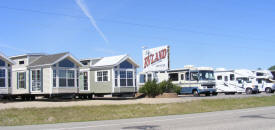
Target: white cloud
[85,10]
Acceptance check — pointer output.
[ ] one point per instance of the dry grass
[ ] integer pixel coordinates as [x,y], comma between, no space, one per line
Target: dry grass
[30,116]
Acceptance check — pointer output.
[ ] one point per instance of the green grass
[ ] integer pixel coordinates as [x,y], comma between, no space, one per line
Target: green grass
[27,116]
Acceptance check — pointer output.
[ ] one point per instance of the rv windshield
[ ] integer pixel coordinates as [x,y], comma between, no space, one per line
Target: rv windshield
[206,75]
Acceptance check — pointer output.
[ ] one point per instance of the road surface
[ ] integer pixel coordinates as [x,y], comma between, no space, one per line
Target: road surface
[244,119]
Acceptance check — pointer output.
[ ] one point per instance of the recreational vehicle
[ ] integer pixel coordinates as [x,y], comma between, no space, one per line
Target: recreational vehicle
[114,75]
[44,75]
[264,81]
[193,80]
[240,81]
[5,75]
[225,81]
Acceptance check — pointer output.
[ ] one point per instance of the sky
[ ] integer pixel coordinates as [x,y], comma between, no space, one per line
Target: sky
[231,34]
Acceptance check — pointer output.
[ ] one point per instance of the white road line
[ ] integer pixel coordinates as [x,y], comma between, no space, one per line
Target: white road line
[162,120]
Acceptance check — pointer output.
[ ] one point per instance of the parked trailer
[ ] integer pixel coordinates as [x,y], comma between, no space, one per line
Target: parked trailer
[264,81]
[193,80]
[240,81]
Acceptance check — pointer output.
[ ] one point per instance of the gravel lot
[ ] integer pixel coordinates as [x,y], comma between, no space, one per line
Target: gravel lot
[42,103]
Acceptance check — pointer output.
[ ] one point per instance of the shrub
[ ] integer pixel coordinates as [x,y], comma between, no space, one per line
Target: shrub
[151,89]
[169,87]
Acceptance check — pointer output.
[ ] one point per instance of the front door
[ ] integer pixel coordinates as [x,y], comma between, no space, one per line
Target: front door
[36,80]
[83,78]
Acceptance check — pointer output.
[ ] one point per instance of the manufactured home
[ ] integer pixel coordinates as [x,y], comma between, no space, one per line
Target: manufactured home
[114,75]
[44,75]
[5,75]
[193,80]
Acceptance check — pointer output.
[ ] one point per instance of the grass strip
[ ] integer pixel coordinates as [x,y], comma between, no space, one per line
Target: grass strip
[30,116]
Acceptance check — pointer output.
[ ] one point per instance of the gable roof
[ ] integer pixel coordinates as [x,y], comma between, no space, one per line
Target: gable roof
[114,61]
[52,59]
[6,58]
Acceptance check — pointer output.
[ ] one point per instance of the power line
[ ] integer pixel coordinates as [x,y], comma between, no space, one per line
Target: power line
[137,24]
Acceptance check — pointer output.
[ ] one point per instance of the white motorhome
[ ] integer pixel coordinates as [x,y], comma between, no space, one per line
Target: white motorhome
[264,81]
[225,81]
[193,80]
[240,81]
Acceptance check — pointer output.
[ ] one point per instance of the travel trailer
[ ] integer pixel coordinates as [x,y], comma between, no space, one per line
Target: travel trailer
[114,75]
[5,75]
[264,81]
[232,81]
[44,75]
[193,80]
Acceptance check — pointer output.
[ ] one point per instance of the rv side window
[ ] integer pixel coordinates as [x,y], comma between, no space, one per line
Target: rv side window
[225,78]
[187,76]
[259,81]
[182,76]
[232,77]
[259,74]
[194,76]
[174,76]
[219,77]
[142,78]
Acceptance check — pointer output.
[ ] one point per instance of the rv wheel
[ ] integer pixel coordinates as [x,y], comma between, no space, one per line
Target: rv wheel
[196,93]
[207,94]
[268,90]
[248,91]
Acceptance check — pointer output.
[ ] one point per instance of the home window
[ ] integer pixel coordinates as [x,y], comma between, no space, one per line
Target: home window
[85,78]
[2,63]
[122,75]
[21,78]
[2,78]
[102,76]
[116,78]
[21,62]
[129,78]
[149,76]
[54,78]
[66,78]
[36,80]
[9,78]
[66,63]
[126,65]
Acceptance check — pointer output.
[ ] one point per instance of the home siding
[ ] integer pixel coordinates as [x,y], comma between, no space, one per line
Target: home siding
[46,80]
[15,89]
[125,90]
[100,87]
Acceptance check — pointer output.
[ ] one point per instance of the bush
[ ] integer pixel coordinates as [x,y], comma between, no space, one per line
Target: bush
[150,88]
[169,87]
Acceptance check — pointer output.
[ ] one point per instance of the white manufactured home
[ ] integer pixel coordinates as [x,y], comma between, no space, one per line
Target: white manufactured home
[5,75]
[46,75]
[114,75]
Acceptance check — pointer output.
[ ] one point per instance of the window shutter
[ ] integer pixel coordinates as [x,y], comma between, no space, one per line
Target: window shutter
[41,79]
[25,80]
[17,80]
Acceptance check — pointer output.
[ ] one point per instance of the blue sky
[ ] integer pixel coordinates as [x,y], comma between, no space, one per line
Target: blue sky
[218,33]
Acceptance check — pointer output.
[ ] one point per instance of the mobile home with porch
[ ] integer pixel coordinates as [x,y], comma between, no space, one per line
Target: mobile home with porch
[5,75]
[114,75]
[45,75]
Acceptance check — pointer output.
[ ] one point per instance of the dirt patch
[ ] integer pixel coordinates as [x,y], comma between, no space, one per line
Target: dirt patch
[168,95]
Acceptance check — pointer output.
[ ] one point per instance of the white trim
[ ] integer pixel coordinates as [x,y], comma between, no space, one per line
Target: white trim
[7,59]
[113,80]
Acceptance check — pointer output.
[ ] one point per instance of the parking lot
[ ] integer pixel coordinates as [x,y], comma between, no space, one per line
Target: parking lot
[44,103]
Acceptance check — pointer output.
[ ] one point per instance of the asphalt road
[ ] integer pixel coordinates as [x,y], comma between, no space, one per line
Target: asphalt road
[244,119]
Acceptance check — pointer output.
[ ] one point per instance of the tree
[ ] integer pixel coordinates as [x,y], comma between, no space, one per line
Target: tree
[272,67]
